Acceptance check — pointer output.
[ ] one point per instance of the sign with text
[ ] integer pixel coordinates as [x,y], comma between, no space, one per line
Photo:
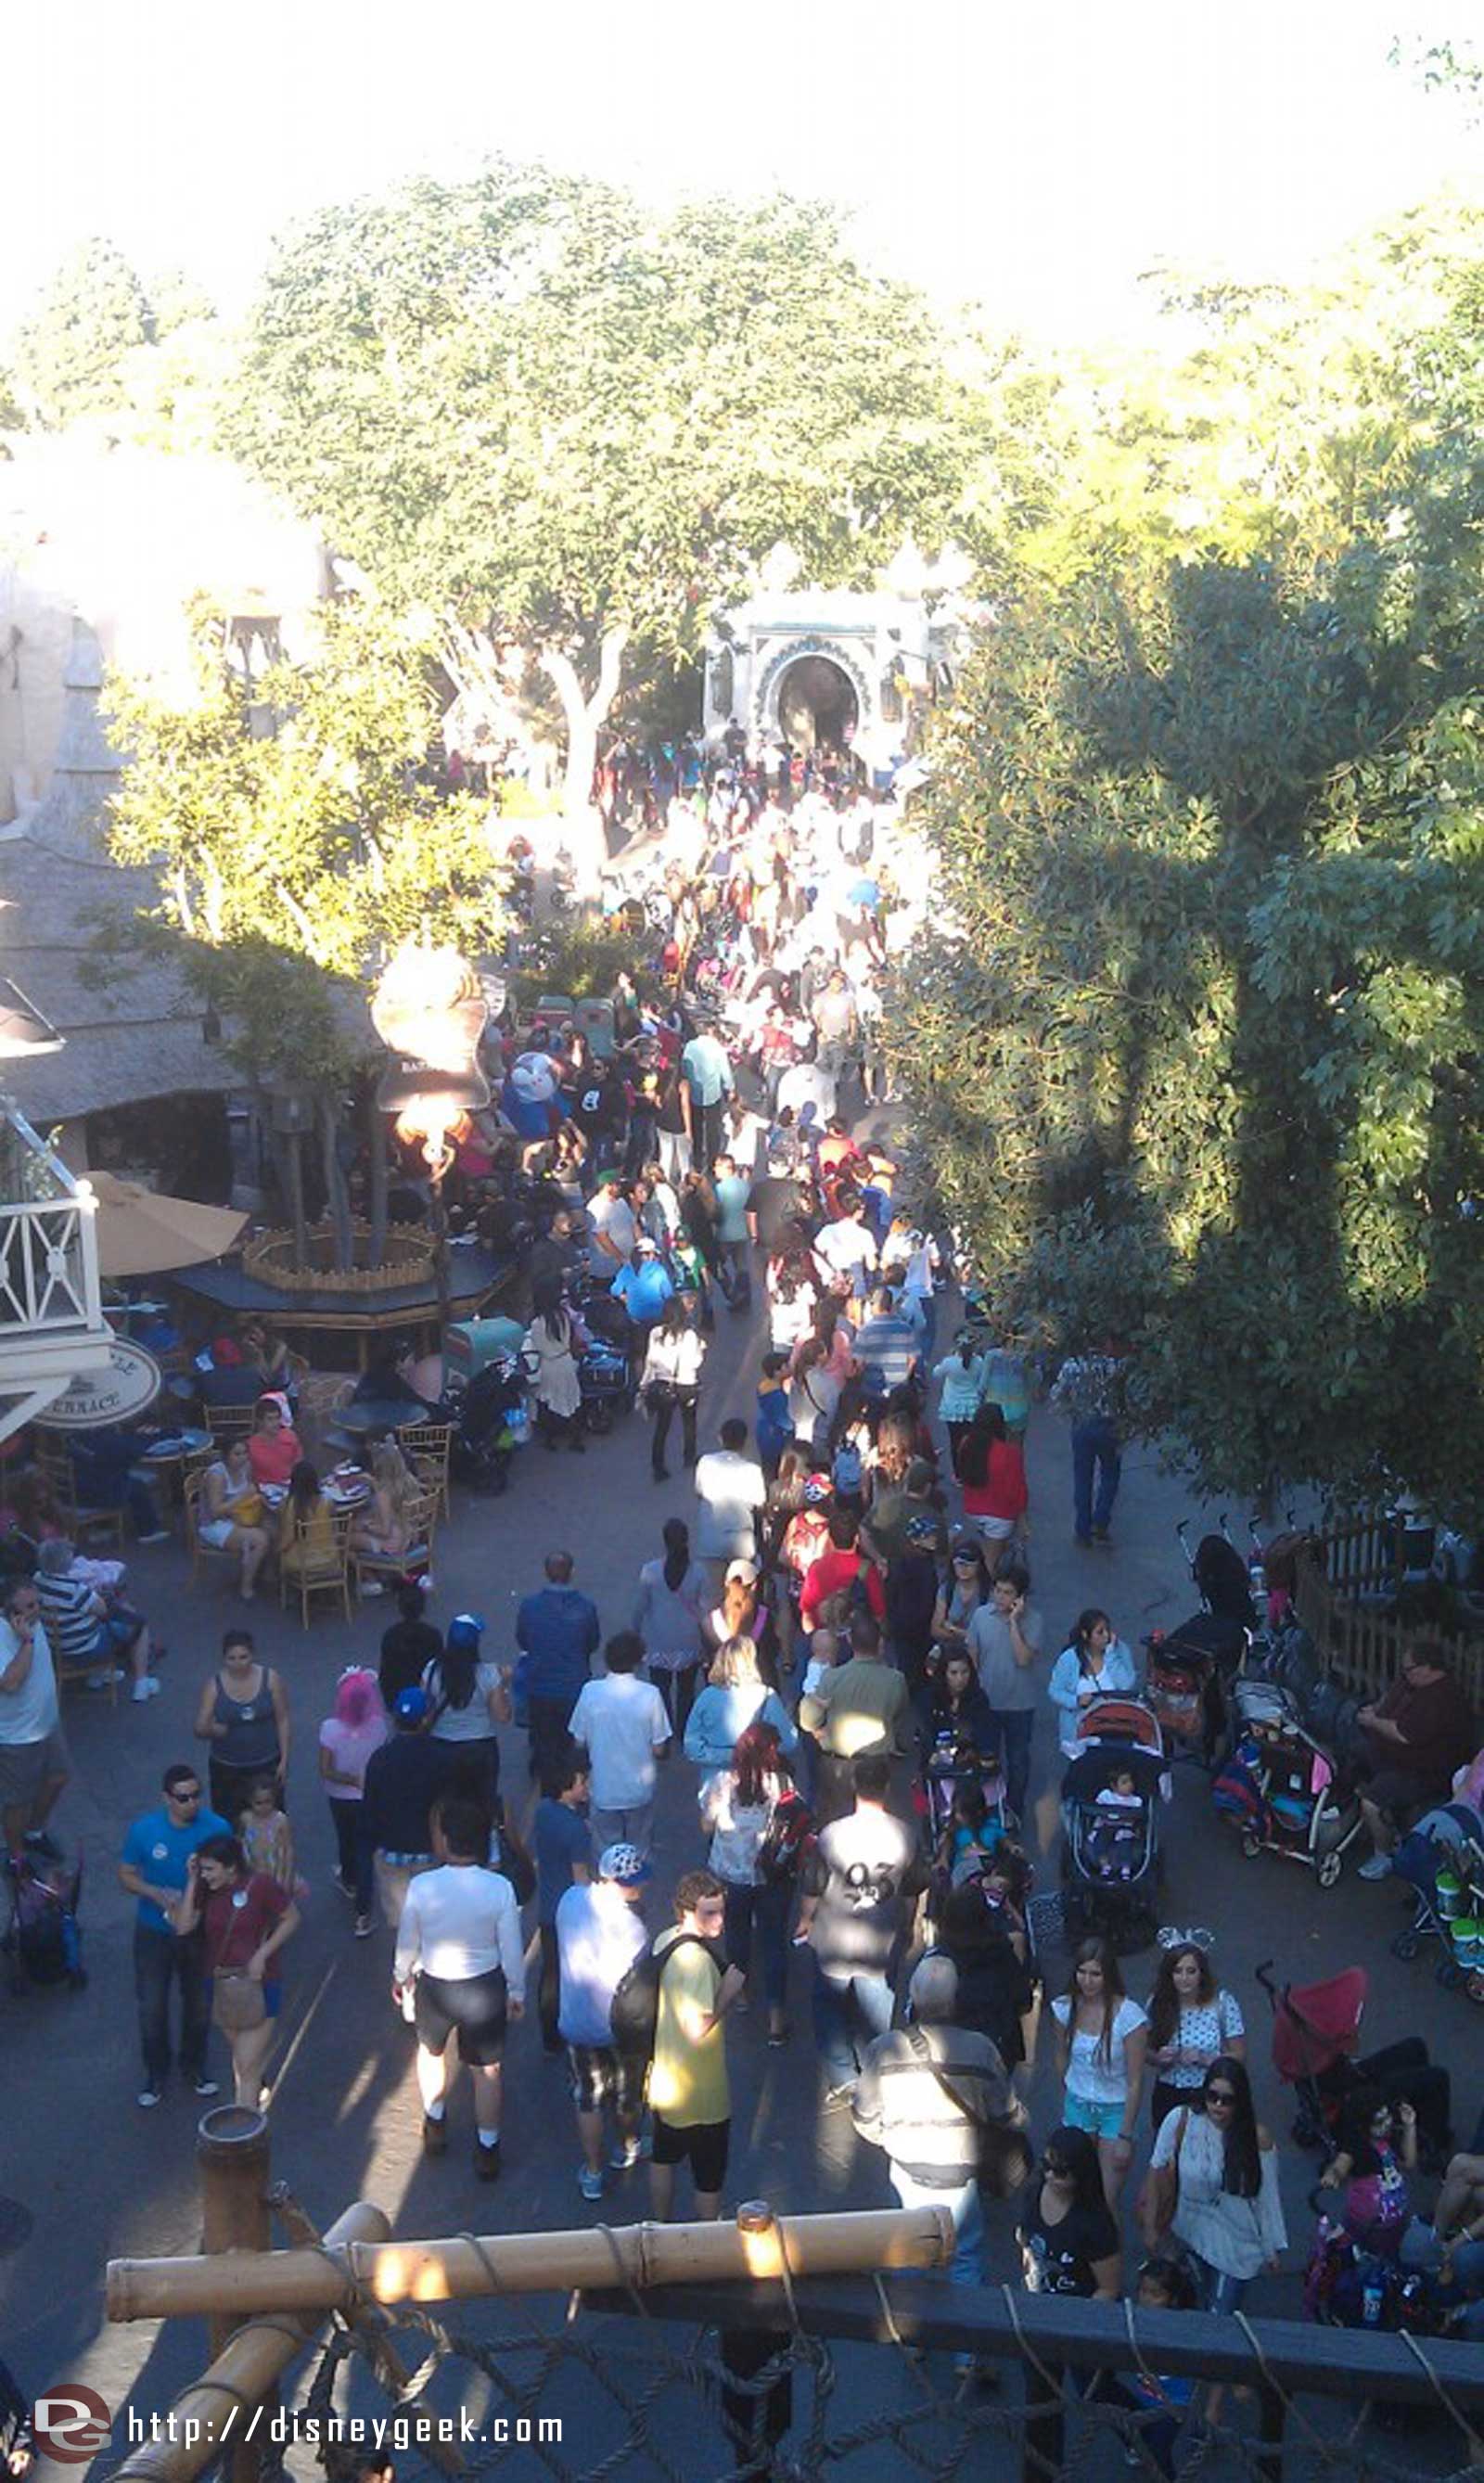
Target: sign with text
[130,1382]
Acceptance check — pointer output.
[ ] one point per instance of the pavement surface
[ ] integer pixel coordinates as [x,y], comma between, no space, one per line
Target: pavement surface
[86,2176]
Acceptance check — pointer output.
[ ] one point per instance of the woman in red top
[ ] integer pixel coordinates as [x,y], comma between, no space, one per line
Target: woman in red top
[836,1569]
[272,1444]
[993,1473]
[244,1918]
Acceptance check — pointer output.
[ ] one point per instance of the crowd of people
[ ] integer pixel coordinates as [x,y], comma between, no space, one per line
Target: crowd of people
[844,1621]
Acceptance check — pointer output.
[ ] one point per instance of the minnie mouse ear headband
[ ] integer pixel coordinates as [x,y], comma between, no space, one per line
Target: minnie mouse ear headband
[1170,1937]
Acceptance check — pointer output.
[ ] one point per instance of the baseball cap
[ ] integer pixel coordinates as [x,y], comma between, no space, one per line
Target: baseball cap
[746,1570]
[466,1629]
[922,1530]
[624,1864]
[816,1489]
[967,1548]
[410,1705]
[647,1245]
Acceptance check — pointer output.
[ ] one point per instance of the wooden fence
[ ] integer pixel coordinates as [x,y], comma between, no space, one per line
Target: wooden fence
[1346,1589]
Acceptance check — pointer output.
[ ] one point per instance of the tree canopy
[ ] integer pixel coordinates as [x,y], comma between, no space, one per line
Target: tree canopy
[1197,1051]
[66,357]
[525,401]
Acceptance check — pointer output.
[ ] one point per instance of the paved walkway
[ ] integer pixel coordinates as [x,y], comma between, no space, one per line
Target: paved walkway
[98,2177]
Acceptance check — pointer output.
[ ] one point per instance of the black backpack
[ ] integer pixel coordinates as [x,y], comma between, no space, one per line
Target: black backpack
[634,2010]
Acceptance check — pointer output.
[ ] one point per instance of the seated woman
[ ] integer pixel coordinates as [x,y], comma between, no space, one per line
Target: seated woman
[233,1517]
[384,1528]
[274,1446]
[307,1530]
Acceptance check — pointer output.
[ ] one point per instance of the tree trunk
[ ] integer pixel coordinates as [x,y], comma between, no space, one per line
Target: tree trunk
[291,1175]
[581,818]
[376,1191]
[337,1196]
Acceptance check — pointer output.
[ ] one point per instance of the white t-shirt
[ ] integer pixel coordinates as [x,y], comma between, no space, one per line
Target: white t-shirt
[1092,2077]
[599,1934]
[613,1216]
[620,1722]
[460,1921]
[470,1723]
[845,1247]
[728,1489]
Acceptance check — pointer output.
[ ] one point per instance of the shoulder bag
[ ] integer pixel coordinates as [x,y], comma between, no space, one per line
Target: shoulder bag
[1002,2156]
[1159,2201]
[237,2002]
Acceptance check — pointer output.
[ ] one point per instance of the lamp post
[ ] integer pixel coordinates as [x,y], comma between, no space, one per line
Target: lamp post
[429,1010]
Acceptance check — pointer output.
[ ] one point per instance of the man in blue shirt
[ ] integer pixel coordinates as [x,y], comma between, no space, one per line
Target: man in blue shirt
[644,1286]
[153,1867]
[706,1080]
[885,1346]
[557,1631]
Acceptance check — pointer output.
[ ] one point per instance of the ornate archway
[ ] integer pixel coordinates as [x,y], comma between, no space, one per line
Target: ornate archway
[832,689]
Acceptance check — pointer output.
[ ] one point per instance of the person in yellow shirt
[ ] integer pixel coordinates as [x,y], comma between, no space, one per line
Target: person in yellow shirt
[690,2102]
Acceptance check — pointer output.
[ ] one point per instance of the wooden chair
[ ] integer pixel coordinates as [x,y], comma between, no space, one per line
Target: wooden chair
[422,1517]
[323,1573]
[428,1446]
[56,1466]
[228,1424]
[193,1492]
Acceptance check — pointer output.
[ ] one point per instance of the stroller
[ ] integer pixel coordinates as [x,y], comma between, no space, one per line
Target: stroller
[1346,2285]
[42,1938]
[492,1422]
[1110,1850]
[1316,2031]
[1283,1790]
[949,1766]
[1441,1859]
[1190,1667]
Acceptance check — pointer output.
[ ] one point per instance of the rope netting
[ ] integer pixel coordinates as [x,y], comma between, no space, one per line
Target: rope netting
[601,2397]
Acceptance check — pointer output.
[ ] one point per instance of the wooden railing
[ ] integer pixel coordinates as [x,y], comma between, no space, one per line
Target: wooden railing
[1352,1574]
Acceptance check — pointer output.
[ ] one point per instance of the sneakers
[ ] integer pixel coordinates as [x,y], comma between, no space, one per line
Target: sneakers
[1378,1867]
[144,1691]
[435,2135]
[630,2152]
[206,2087]
[104,1680]
[347,1888]
[486,2161]
[148,2097]
[588,2182]
[160,1535]
[834,2096]
[364,1927]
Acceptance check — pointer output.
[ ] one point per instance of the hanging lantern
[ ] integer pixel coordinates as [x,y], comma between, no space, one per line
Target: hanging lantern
[430,1011]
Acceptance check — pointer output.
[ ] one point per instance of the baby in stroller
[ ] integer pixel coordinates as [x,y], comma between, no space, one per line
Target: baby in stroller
[1116,1837]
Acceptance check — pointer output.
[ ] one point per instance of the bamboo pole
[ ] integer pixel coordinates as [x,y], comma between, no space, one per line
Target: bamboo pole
[204,2418]
[231,2155]
[299,2281]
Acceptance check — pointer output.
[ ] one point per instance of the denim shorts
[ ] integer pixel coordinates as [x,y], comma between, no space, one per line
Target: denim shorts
[1102,2119]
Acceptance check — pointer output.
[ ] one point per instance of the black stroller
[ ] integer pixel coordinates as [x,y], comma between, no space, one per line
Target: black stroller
[42,1938]
[1110,1853]
[1191,1667]
[493,1423]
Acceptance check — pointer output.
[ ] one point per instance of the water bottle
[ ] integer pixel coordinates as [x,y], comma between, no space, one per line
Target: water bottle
[1372,2299]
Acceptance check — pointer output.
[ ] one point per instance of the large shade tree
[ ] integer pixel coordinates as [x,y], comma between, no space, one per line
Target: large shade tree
[571,429]
[67,356]
[292,862]
[1196,1049]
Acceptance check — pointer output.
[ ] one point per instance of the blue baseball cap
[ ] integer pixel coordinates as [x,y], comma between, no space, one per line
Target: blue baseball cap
[411,1705]
[466,1629]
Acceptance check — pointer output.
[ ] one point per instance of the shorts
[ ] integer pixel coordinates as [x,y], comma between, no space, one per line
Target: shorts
[218,1531]
[601,2075]
[703,2146]
[1393,1789]
[474,2009]
[1102,2119]
[28,1768]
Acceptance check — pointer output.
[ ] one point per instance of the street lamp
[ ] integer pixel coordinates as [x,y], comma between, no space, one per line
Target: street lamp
[429,1010]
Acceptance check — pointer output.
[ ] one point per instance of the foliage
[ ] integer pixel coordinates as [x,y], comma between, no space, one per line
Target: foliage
[525,399]
[67,356]
[291,863]
[581,958]
[1196,1048]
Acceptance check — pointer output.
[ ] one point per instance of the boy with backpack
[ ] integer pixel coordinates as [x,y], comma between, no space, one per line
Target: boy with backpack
[600,1939]
[690,2101]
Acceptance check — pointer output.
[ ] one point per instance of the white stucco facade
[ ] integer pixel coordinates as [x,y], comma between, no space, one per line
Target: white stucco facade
[890,648]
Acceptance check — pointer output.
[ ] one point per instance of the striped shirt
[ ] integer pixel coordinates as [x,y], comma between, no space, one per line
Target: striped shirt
[903,2104]
[70,1610]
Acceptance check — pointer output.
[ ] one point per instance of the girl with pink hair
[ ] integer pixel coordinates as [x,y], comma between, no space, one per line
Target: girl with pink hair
[355,1728]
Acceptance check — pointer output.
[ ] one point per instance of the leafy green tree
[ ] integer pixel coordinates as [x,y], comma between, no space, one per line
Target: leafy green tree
[292,862]
[571,429]
[1196,1049]
[66,357]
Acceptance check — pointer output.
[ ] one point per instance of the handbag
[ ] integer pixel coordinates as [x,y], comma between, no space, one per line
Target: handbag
[1003,2156]
[237,2002]
[781,1846]
[1159,2201]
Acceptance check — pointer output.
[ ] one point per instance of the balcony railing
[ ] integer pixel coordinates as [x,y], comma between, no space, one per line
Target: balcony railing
[52,1327]
[48,1265]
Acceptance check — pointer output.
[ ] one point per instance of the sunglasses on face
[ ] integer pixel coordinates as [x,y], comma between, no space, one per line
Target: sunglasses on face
[1222,2095]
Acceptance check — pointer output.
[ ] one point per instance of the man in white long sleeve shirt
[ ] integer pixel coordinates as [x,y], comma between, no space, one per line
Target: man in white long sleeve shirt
[461,1949]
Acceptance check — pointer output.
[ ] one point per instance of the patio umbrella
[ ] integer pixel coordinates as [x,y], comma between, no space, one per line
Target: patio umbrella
[146,1233]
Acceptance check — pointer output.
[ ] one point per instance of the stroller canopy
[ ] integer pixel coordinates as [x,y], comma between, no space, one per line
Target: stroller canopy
[1317,2024]
[1126,1720]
